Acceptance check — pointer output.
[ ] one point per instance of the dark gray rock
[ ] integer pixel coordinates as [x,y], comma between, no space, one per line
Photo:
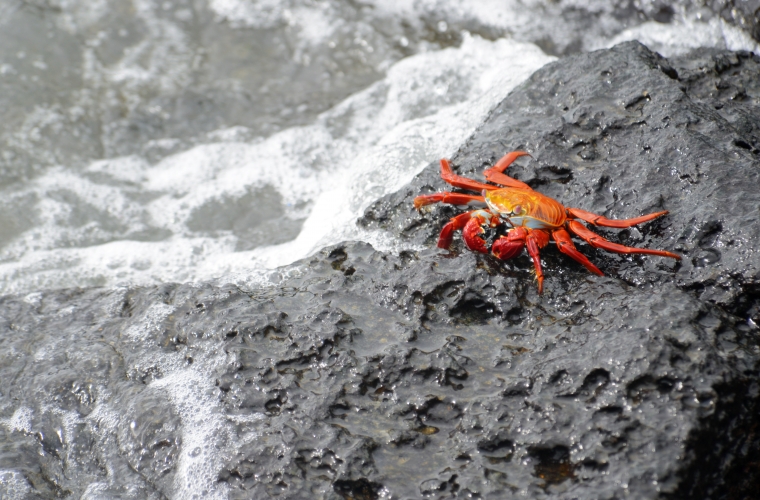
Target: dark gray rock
[443,374]
[625,132]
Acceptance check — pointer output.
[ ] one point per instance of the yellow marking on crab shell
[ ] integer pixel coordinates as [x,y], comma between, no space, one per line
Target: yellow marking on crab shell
[537,211]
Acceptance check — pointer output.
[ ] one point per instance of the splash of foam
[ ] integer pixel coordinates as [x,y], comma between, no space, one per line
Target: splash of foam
[686,35]
[206,433]
[20,421]
[13,485]
[325,174]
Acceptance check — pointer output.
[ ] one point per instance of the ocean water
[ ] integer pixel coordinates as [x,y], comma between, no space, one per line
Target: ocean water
[147,141]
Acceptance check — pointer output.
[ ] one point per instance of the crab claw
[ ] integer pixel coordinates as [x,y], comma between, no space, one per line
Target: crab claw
[473,231]
[471,235]
[511,244]
[504,248]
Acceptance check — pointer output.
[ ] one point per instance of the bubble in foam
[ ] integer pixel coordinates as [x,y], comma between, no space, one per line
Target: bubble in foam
[20,421]
[13,485]
[150,323]
[205,434]
[685,35]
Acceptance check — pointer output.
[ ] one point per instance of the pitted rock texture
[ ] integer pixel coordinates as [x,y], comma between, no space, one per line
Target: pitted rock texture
[624,132]
[438,374]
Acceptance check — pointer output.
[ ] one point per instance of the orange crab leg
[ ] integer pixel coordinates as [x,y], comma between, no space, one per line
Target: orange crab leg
[566,246]
[597,241]
[447,197]
[495,174]
[599,220]
[455,180]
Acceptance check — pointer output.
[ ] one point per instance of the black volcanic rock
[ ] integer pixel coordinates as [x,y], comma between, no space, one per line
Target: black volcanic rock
[358,374]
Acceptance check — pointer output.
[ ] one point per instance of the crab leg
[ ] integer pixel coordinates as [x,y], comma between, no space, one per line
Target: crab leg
[566,246]
[455,180]
[447,232]
[510,246]
[597,241]
[447,197]
[496,173]
[599,220]
[532,245]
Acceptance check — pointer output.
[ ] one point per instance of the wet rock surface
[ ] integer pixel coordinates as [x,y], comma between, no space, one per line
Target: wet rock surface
[437,374]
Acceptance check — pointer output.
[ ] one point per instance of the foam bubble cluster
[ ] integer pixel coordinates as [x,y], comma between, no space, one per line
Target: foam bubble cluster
[686,35]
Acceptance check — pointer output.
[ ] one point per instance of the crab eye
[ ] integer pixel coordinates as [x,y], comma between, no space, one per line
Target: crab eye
[517,210]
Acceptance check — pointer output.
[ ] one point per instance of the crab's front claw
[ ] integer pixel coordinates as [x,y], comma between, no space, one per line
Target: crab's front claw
[505,248]
[471,234]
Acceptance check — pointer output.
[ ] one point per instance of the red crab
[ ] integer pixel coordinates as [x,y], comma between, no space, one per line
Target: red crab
[528,216]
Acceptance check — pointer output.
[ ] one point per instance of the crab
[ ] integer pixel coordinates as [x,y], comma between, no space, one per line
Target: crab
[514,216]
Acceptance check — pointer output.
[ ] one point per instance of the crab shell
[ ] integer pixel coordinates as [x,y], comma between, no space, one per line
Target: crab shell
[522,208]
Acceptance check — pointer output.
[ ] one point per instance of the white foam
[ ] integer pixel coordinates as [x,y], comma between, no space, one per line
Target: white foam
[33,298]
[315,22]
[104,422]
[150,323]
[129,168]
[207,434]
[162,60]
[95,491]
[258,14]
[495,13]
[20,421]
[410,130]
[684,35]
[13,485]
